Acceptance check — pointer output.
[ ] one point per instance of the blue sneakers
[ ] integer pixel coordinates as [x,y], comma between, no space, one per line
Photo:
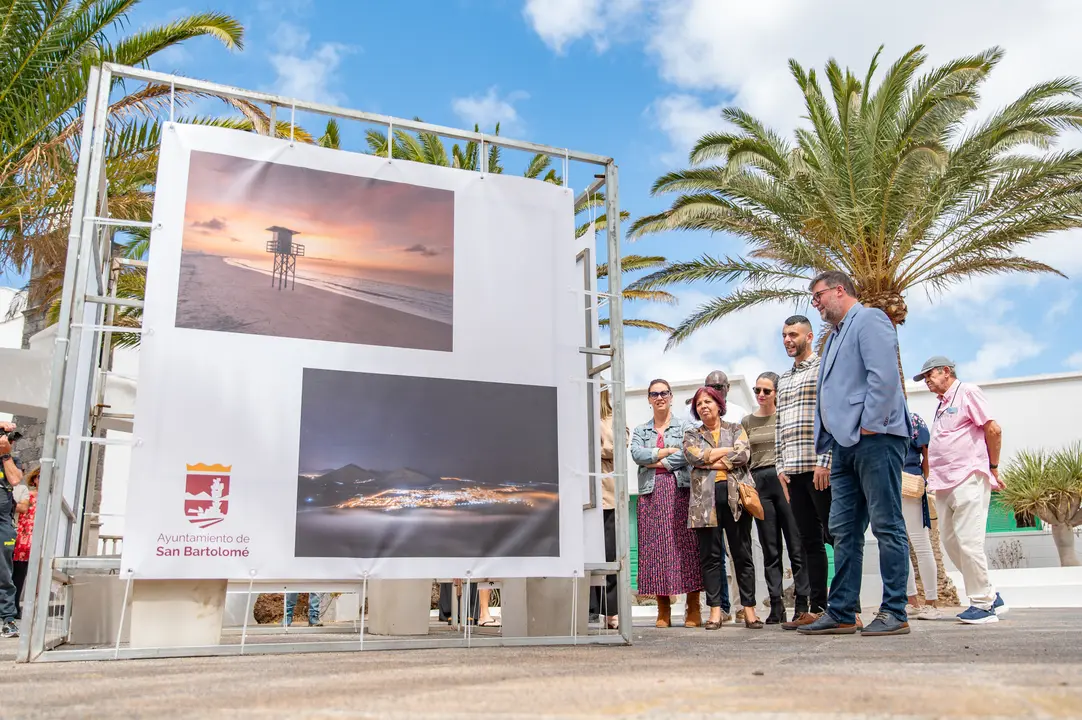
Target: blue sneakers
[999,607]
[975,616]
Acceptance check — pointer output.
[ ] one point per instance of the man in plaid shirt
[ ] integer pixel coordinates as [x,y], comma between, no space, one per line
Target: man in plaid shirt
[805,474]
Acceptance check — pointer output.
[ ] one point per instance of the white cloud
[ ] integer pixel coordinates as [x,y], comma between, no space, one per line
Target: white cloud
[743,48]
[307,73]
[488,109]
[1004,346]
[746,343]
[684,119]
[562,22]
[1060,307]
[1074,361]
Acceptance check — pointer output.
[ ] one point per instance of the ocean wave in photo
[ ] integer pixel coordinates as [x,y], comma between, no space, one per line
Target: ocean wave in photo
[428,304]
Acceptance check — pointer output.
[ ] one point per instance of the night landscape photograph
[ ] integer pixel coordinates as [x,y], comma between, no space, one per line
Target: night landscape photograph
[398,466]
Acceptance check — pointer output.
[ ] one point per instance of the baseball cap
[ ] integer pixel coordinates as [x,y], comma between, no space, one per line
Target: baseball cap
[936,361]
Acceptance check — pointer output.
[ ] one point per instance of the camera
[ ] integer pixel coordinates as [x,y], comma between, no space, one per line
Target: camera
[12,436]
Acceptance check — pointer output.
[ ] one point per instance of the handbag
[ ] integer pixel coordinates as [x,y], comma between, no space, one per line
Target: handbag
[749,498]
[912,485]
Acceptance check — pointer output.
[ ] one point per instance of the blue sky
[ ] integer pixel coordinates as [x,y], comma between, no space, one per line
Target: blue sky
[640,80]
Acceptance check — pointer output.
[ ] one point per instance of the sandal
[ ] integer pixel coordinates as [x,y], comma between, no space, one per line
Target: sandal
[753,625]
[711,625]
[491,622]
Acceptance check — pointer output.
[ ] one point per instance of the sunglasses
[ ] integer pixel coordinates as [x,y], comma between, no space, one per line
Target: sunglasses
[719,387]
[762,391]
[662,394]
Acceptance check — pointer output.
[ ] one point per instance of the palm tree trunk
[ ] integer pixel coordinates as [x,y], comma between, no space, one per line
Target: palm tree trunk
[946,592]
[1063,536]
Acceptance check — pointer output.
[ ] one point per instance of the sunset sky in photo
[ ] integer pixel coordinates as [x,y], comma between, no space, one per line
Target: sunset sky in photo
[349,225]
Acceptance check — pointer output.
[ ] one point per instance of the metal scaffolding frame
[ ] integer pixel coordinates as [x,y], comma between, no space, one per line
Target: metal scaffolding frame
[80,364]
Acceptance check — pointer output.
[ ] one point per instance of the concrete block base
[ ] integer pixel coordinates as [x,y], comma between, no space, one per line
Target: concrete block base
[399,607]
[96,602]
[535,607]
[177,613]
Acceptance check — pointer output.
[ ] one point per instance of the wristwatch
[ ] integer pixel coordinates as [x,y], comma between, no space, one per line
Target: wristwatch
[993,467]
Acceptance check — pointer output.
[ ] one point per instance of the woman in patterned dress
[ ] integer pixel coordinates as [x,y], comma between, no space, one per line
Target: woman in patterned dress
[668,555]
[24,529]
[718,452]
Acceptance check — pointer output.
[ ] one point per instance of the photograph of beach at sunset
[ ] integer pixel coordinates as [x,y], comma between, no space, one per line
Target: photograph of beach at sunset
[284,251]
[400,466]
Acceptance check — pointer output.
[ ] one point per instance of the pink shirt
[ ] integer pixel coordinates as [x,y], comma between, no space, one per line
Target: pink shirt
[958,448]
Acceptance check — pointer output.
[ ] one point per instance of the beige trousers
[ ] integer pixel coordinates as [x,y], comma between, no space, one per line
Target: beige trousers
[963,518]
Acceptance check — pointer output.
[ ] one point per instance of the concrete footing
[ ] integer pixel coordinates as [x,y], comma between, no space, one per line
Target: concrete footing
[177,613]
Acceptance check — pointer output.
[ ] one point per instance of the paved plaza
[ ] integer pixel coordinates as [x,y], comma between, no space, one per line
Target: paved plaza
[1028,666]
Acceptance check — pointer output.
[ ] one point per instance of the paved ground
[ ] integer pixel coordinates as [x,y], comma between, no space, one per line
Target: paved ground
[1028,666]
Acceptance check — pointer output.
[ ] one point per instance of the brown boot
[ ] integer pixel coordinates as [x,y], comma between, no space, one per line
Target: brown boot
[693,616]
[664,610]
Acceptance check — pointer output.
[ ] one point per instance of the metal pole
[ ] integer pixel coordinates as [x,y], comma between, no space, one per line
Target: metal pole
[364,117]
[74,357]
[32,641]
[619,412]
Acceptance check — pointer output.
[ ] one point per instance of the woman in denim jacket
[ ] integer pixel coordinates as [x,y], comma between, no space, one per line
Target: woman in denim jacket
[668,552]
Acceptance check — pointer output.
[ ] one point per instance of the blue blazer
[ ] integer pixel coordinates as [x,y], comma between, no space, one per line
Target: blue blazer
[860,385]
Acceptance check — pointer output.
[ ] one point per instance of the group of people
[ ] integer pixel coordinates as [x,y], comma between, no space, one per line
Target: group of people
[18,503]
[830,449]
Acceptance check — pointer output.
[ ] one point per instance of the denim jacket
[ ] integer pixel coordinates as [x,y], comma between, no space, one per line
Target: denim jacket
[644,452]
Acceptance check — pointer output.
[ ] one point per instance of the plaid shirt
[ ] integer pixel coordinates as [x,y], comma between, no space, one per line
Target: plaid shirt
[795,433]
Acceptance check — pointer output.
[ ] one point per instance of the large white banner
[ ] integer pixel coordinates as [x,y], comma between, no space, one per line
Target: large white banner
[353,365]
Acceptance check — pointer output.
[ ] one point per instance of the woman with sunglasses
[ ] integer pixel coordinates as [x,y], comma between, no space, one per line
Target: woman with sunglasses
[718,452]
[778,520]
[668,554]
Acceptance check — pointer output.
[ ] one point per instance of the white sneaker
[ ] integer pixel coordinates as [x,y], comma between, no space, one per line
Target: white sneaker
[911,610]
[929,613]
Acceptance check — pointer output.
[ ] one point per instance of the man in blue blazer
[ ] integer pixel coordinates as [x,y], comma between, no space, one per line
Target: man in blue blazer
[861,415]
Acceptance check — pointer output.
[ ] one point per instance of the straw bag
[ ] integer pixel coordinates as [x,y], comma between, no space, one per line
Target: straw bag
[749,498]
[912,485]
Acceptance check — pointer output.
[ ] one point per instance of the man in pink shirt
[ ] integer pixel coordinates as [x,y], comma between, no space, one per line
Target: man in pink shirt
[963,462]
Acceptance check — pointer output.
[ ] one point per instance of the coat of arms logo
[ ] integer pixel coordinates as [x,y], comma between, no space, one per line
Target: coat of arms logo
[206,494]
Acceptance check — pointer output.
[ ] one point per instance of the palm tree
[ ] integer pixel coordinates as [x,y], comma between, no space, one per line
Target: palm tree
[428,148]
[1048,485]
[889,185]
[48,49]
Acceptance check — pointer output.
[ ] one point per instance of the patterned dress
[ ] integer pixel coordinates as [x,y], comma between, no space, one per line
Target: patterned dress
[24,530]
[668,550]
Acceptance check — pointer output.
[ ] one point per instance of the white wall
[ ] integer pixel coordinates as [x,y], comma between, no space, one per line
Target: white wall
[1036,411]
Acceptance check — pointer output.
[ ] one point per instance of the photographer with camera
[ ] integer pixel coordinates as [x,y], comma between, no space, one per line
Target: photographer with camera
[11,477]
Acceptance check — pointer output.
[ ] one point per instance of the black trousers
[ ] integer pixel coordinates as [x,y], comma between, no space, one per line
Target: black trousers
[811,510]
[447,591]
[712,553]
[18,576]
[778,522]
[605,602]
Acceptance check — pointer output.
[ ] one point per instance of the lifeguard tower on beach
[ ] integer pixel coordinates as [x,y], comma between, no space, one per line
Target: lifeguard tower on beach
[286,253]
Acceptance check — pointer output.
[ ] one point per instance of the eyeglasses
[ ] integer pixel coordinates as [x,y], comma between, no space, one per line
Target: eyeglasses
[816,295]
[657,395]
[762,391]
[719,387]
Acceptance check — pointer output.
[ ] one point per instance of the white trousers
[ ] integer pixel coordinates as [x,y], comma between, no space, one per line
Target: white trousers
[963,517]
[920,539]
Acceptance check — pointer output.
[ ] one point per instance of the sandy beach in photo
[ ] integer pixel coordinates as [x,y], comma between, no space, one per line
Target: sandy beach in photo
[217,296]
